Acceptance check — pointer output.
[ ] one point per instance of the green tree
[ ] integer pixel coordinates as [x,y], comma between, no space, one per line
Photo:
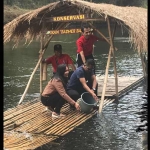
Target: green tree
[38,3]
[8,2]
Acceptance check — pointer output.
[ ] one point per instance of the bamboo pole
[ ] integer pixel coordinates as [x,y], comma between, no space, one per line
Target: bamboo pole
[113,54]
[105,81]
[101,34]
[41,68]
[106,77]
[44,67]
[37,65]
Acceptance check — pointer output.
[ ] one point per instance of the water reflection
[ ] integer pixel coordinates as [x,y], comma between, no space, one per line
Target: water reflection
[108,131]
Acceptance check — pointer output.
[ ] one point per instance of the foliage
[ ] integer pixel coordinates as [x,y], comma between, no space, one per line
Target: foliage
[142,3]
[37,3]
[28,3]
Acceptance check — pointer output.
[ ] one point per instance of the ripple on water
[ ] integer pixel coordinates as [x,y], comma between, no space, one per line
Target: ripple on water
[114,129]
[111,130]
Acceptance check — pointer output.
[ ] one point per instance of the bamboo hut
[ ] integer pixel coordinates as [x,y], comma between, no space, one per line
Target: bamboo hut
[35,24]
[19,132]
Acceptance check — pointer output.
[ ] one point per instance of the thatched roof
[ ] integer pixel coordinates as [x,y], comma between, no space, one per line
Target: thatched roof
[29,25]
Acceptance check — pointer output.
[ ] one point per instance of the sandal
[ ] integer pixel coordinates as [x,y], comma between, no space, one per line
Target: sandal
[55,115]
[62,115]
[49,108]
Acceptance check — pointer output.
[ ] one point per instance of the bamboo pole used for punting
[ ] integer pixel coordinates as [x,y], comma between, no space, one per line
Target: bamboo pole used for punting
[113,53]
[37,65]
[106,76]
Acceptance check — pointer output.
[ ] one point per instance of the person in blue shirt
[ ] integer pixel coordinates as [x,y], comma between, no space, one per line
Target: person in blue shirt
[83,80]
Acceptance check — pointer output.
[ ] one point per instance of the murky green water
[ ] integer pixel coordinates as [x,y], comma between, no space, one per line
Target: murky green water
[115,129]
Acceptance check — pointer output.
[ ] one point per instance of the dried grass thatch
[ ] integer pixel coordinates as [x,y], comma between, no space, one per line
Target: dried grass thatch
[29,25]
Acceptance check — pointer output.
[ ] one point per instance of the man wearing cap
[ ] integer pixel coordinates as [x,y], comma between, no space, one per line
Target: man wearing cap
[85,45]
[59,58]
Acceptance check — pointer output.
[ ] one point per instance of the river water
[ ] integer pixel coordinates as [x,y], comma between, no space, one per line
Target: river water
[115,128]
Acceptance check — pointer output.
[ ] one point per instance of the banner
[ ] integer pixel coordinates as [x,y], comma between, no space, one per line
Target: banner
[64,31]
[68,18]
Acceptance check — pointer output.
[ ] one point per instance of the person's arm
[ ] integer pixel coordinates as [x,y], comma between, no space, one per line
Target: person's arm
[95,38]
[60,89]
[70,62]
[102,39]
[44,60]
[47,60]
[99,38]
[94,82]
[80,50]
[83,82]
[82,57]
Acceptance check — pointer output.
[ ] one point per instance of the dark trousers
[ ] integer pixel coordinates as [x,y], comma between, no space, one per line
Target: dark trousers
[76,94]
[53,100]
[80,62]
[73,94]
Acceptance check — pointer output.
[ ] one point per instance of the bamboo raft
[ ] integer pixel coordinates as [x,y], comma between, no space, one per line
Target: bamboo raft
[29,126]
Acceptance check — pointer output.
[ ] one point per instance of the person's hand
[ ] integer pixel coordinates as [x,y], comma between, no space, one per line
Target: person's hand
[95,97]
[77,106]
[43,60]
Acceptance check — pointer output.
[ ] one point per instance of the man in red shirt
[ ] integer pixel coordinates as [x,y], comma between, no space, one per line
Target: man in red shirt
[59,58]
[85,45]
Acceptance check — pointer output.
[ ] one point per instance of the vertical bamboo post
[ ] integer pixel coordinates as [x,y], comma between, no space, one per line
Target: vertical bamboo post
[113,54]
[44,67]
[41,68]
[101,34]
[105,81]
[106,75]
[37,65]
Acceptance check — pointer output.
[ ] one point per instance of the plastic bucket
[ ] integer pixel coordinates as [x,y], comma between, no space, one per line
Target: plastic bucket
[86,102]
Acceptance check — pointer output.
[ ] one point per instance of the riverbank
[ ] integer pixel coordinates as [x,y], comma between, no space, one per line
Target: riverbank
[11,12]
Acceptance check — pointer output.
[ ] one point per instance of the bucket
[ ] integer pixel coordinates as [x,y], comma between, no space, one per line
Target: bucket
[86,102]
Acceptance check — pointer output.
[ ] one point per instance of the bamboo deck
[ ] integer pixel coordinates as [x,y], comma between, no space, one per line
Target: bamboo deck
[29,126]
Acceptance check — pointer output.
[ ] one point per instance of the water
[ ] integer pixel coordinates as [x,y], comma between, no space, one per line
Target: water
[115,129]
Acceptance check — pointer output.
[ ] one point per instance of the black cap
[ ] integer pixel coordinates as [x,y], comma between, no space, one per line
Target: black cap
[57,47]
